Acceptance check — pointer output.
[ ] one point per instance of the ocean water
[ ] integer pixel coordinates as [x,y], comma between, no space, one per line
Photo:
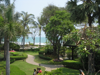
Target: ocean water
[29,39]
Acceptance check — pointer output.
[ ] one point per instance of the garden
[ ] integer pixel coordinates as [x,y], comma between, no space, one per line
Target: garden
[72,33]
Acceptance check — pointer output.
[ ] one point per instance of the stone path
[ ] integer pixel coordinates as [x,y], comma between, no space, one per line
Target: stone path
[31,58]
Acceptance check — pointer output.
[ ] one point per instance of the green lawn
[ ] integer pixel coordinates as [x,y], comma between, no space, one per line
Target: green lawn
[25,67]
[31,52]
[37,59]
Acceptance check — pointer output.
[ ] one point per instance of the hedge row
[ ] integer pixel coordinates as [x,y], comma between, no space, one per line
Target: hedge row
[36,49]
[44,57]
[41,52]
[24,56]
[72,64]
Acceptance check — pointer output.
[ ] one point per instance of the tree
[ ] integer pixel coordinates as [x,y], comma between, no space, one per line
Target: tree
[79,12]
[40,28]
[86,40]
[10,29]
[26,19]
[58,26]
[48,11]
[34,31]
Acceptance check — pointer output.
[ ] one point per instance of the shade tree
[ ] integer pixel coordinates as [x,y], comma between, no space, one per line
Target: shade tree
[58,26]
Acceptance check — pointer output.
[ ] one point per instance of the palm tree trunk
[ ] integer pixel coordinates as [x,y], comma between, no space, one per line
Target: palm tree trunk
[23,41]
[7,59]
[40,39]
[5,44]
[34,40]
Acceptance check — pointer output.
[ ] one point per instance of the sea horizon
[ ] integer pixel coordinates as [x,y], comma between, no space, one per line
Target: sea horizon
[30,40]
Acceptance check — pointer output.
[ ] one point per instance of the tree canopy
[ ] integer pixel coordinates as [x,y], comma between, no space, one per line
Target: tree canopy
[58,26]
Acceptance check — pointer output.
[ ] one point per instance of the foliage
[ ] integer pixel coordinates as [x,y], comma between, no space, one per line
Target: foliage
[62,71]
[14,46]
[55,62]
[36,49]
[59,25]
[12,60]
[88,39]
[17,56]
[86,9]
[44,57]
[2,67]
[96,60]
[41,52]
[16,71]
[72,64]
[48,11]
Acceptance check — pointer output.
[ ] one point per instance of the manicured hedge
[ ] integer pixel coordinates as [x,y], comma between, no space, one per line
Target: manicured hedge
[72,64]
[36,49]
[24,56]
[12,60]
[44,57]
[41,52]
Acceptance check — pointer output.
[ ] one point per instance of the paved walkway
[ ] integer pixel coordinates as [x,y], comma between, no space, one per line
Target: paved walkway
[31,58]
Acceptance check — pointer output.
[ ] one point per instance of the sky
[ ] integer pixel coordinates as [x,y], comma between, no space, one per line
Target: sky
[36,7]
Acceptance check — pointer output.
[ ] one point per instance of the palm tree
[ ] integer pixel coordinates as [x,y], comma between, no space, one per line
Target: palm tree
[10,30]
[26,19]
[40,27]
[79,12]
[34,31]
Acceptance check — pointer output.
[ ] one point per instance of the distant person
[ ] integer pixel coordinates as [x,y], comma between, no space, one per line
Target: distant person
[34,72]
[40,71]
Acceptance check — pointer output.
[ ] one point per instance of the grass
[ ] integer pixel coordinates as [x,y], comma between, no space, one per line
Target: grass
[65,71]
[25,67]
[31,52]
[16,71]
[37,59]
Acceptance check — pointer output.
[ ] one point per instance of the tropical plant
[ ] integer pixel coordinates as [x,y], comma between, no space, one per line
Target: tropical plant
[26,19]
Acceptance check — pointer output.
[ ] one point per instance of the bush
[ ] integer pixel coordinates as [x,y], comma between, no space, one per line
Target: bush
[54,62]
[24,56]
[2,68]
[14,46]
[41,52]
[48,51]
[44,57]
[12,60]
[16,71]
[13,53]
[36,49]
[72,64]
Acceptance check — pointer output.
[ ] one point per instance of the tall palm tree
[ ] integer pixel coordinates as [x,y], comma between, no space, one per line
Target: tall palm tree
[10,30]
[40,27]
[26,19]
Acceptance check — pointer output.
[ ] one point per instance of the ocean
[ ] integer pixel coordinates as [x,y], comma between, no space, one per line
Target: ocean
[29,39]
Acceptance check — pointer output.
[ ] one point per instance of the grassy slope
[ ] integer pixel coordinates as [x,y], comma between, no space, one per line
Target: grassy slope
[25,67]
